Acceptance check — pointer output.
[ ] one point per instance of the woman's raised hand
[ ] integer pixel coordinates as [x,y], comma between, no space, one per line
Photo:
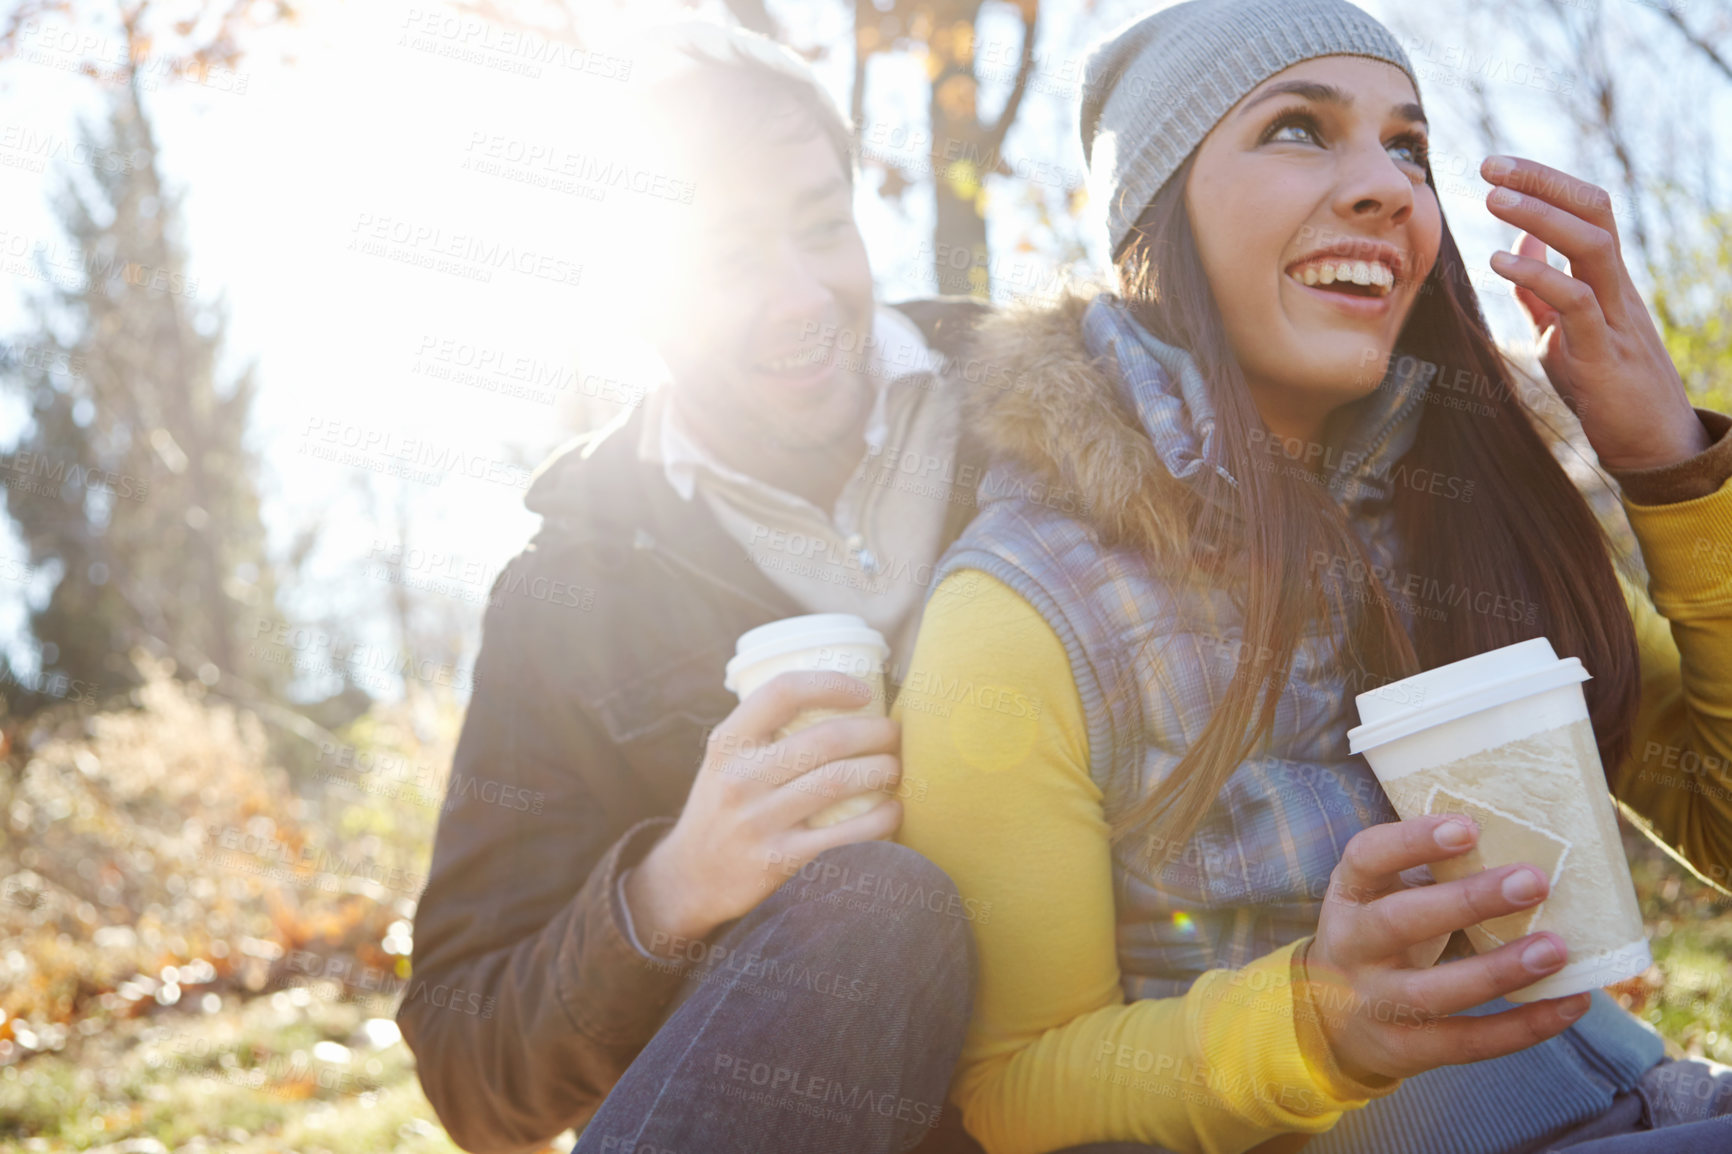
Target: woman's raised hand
[1385,1008]
[1597,343]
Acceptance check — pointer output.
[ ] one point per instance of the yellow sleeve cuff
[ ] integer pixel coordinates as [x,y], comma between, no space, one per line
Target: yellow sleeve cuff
[1687,547]
[1250,1025]
[1309,1009]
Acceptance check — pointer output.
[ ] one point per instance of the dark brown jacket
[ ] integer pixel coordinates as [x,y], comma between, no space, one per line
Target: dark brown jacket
[599,677]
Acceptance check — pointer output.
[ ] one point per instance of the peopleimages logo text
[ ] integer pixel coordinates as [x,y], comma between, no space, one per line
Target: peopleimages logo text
[440,459]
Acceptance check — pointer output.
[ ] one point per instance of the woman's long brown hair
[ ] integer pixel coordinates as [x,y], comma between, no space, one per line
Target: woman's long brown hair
[1526,533]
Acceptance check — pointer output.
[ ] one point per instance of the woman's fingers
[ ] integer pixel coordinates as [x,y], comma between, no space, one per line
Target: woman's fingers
[1401,920]
[1462,1039]
[1373,859]
[1386,1016]
[1573,195]
[1574,301]
[1543,315]
[1567,213]
[1468,982]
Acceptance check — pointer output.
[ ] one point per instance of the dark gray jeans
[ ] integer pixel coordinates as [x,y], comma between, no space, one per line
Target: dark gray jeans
[1679,1107]
[829,1018]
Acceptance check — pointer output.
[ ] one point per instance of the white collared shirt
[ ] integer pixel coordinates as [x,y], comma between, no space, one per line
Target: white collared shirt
[898,351]
[872,554]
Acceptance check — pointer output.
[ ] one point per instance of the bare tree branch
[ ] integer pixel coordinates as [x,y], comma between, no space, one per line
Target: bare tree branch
[1491,134]
[996,133]
[145,27]
[26,15]
[1695,41]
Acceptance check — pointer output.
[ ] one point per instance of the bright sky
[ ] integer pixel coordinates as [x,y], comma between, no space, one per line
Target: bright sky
[316,198]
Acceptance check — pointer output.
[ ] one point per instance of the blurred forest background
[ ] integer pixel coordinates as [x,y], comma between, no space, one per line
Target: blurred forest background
[260,462]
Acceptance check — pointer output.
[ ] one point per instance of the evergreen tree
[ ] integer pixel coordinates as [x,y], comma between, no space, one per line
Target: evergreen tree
[133,479]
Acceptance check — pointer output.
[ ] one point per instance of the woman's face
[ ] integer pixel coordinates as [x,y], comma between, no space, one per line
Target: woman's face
[1320,167]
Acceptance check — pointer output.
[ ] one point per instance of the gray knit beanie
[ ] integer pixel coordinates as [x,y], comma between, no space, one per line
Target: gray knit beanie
[1154,89]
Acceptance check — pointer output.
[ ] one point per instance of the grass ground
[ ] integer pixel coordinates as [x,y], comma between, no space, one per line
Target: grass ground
[146,1001]
[159,871]
[278,1072]
[1687,995]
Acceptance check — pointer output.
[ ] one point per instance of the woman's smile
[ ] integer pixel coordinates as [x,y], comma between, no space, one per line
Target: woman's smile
[1355,276]
[1360,299]
[1348,276]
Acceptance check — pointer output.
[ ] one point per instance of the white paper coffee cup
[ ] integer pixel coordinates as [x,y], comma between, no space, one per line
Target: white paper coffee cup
[1504,737]
[818,642]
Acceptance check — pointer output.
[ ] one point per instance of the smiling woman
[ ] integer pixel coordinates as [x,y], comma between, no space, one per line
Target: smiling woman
[1202,937]
[1208,269]
[1318,178]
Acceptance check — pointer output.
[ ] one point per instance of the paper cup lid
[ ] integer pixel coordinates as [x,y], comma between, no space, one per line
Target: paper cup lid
[1452,691]
[792,634]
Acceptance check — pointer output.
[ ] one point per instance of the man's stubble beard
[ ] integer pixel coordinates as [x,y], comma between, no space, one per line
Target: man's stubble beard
[770,449]
[799,439]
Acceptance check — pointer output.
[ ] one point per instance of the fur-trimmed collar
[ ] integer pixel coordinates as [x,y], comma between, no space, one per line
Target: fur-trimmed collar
[1046,403]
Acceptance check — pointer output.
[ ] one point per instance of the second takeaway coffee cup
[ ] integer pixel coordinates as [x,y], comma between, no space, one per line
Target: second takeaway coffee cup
[832,642]
[1504,738]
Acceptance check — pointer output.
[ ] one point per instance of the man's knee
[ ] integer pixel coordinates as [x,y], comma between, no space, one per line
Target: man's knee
[889,859]
[889,889]
[865,868]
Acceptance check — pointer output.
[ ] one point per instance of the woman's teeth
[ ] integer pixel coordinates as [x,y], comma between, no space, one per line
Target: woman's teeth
[1372,274]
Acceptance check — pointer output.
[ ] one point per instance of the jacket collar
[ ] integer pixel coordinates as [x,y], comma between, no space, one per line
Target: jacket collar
[1101,406]
[565,486]
[593,490]
[1164,387]
[593,493]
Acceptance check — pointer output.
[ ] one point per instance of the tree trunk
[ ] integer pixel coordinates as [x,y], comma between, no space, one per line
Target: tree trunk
[960,154]
[959,257]
[964,150]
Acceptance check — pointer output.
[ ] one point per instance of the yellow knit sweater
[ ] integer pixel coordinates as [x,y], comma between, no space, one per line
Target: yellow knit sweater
[1001,799]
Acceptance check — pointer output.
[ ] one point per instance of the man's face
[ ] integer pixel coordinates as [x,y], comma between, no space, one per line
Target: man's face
[768,282]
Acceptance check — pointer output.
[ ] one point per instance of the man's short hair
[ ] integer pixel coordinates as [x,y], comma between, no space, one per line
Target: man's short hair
[712,72]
